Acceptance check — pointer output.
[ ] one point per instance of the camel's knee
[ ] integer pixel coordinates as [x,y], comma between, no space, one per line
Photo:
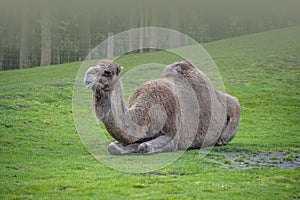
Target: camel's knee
[226,137]
[233,112]
[232,120]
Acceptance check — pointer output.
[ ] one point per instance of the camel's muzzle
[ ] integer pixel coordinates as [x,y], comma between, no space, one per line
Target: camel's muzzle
[89,85]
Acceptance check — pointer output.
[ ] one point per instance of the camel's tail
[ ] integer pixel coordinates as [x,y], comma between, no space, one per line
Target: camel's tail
[233,111]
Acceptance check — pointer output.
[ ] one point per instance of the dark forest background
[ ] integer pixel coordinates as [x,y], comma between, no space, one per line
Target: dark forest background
[35,33]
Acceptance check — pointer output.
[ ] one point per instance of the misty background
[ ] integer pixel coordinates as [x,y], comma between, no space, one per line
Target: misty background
[37,33]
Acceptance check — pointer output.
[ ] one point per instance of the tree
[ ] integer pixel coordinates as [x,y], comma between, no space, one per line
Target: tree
[24,60]
[45,37]
[174,23]
[84,36]
[2,47]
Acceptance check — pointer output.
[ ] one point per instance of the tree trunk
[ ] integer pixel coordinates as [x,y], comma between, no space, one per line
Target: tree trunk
[174,20]
[141,33]
[131,24]
[2,52]
[24,40]
[84,36]
[45,38]
[153,22]
[110,45]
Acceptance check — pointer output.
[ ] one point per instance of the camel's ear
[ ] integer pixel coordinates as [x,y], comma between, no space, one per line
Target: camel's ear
[119,69]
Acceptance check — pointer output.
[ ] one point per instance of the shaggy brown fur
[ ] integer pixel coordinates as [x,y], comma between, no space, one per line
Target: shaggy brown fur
[179,111]
[219,112]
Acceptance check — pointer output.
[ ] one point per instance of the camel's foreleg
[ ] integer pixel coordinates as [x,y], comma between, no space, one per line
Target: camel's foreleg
[162,143]
[117,148]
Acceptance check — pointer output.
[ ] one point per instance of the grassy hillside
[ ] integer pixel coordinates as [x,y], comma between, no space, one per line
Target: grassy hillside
[42,156]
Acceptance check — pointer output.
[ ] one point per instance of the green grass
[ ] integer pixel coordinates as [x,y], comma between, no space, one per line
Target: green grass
[42,156]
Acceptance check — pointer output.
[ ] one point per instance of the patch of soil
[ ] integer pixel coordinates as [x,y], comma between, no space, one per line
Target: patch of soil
[291,62]
[8,97]
[248,160]
[18,106]
[22,106]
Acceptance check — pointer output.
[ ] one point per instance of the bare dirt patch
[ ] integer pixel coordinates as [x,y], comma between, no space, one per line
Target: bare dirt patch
[248,160]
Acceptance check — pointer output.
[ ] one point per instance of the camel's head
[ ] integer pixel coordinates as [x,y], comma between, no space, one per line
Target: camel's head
[176,68]
[103,76]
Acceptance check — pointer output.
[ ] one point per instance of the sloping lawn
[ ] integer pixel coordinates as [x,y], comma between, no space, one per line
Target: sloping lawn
[42,156]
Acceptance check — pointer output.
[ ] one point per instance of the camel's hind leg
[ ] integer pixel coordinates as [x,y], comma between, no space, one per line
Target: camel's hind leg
[233,111]
[162,143]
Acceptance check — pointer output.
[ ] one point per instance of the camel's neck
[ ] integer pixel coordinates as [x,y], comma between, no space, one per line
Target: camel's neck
[111,109]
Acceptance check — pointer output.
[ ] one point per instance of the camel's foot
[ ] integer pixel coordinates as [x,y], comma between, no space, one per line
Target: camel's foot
[116,148]
[145,148]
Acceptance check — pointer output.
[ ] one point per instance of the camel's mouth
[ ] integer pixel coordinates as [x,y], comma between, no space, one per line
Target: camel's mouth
[92,84]
[89,85]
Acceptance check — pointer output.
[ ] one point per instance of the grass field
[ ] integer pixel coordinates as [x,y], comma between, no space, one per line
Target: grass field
[42,156]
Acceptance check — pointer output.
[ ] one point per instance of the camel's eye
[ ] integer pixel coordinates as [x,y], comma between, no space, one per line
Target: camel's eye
[184,67]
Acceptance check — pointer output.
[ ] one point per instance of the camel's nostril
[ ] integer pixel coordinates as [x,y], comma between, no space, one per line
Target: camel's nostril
[107,73]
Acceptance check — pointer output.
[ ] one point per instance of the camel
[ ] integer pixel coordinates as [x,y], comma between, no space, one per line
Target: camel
[179,111]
